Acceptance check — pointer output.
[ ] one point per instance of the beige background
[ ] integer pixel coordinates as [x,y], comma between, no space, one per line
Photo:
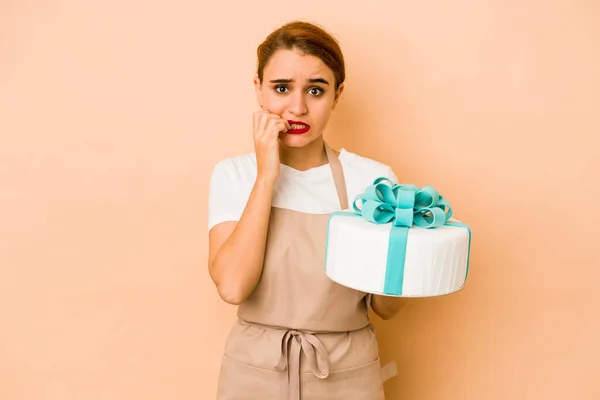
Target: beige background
[113,113]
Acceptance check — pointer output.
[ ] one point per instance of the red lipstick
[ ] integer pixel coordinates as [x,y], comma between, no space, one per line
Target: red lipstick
[298,127]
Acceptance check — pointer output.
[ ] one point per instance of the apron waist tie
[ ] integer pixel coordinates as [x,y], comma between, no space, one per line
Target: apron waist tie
[291,344]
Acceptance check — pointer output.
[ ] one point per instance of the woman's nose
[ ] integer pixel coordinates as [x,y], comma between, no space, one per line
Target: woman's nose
[298,104]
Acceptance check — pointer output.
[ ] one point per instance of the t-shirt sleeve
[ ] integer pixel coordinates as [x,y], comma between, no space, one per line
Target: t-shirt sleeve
[226,199]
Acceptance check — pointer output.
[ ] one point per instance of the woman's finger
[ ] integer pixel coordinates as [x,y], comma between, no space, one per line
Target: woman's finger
[278,125]
[265,116]
[287,124]
[256,120]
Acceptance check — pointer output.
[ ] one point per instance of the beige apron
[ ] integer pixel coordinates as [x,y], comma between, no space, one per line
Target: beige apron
[300,335]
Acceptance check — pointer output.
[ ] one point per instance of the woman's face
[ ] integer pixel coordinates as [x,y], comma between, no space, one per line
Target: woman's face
[301,89]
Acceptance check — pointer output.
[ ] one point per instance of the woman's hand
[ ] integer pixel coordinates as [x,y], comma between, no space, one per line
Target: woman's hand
[237,249]
[267,127]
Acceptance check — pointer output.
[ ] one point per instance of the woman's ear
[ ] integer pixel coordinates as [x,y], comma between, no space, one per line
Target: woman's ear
[338,94]
[257,91]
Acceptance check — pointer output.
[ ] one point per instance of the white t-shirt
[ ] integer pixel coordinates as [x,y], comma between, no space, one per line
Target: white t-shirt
[312,191]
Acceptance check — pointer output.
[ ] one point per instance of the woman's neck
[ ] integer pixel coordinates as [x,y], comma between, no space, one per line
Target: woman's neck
[304,158]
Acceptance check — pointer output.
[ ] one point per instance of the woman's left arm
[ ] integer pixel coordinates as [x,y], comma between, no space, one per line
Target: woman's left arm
[387,307]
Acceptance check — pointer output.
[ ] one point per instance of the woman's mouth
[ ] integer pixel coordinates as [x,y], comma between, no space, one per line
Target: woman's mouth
[298,127]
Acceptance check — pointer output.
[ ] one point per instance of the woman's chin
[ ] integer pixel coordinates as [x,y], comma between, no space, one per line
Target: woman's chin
[295,140]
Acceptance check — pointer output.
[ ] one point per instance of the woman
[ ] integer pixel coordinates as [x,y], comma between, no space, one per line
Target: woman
[299,334]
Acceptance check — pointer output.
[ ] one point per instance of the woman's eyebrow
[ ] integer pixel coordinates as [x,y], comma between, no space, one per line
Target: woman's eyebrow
[318,80]
[312,80]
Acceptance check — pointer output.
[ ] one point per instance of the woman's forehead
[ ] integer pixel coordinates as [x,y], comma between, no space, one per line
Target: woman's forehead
[292,64]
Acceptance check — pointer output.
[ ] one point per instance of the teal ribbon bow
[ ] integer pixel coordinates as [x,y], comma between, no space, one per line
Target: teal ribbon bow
[402,205]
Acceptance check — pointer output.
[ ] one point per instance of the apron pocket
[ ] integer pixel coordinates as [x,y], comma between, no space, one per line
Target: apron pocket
[239,381]
[357,383]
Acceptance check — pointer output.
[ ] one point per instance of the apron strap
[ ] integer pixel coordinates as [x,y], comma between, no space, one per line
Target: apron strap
[338,176]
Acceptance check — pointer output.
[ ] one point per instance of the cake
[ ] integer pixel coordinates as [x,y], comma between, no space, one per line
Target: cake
[398,240]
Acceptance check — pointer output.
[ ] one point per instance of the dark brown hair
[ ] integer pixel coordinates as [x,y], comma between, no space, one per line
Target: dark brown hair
[309,39]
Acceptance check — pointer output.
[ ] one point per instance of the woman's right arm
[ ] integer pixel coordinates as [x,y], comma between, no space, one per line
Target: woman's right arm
[236,249]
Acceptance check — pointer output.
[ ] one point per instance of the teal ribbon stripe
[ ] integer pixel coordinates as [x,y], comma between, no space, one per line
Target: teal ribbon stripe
[404,206]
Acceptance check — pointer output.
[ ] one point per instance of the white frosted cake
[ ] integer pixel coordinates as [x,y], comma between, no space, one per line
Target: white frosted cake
[399,241]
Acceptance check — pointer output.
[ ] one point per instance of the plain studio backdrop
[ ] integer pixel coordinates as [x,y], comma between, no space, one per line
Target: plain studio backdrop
[113,113]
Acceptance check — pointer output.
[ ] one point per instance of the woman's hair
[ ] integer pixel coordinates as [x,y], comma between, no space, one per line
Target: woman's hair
[309,39]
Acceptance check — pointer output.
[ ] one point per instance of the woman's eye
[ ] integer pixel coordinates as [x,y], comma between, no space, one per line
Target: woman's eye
[280,89]
[315,91]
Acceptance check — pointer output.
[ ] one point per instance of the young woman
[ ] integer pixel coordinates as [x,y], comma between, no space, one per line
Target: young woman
[299,334]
